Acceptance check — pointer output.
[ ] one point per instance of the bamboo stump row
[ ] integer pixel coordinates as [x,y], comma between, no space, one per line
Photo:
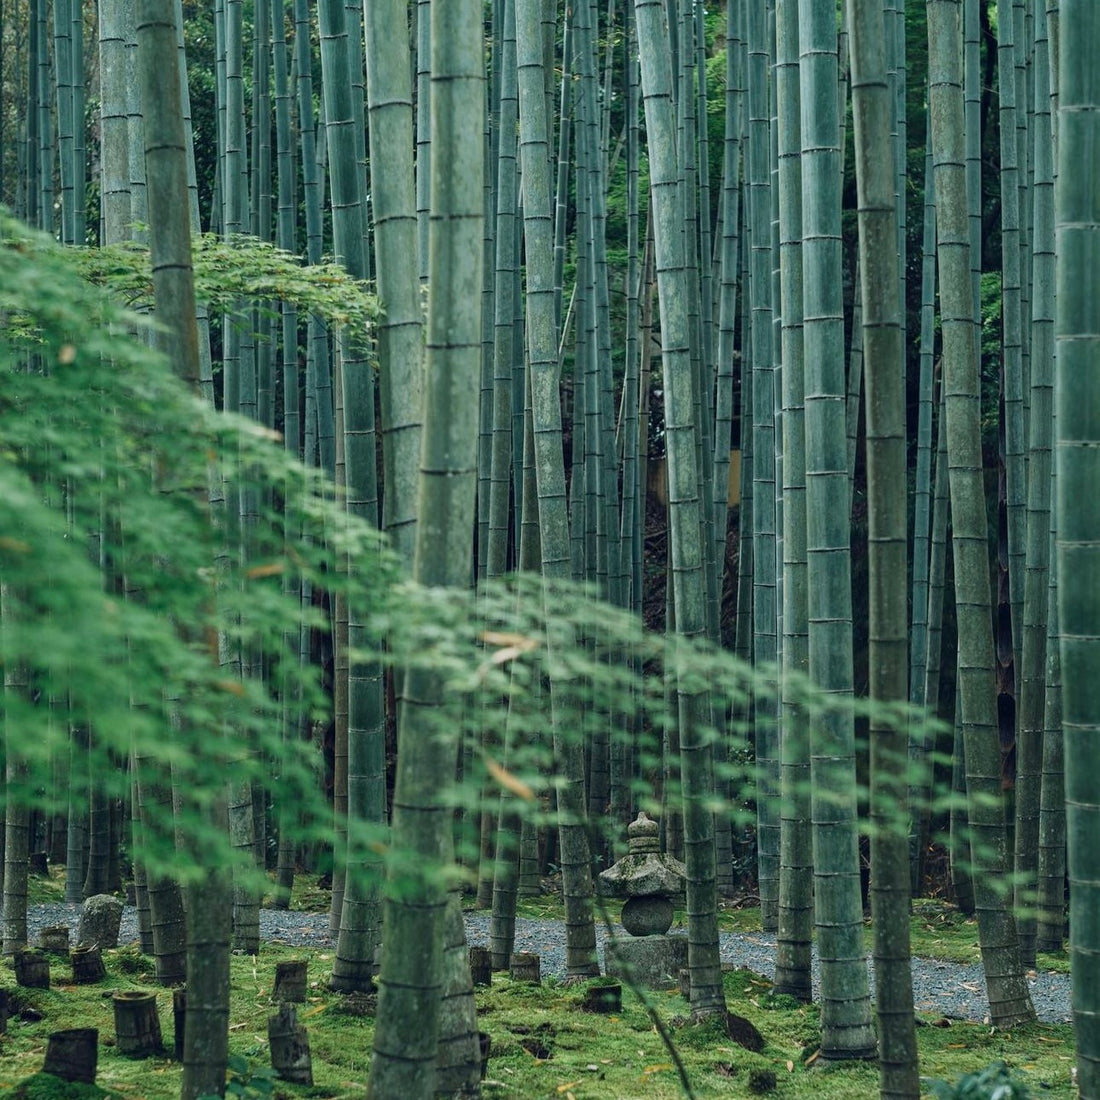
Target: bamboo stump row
[73,1054]
[523,966]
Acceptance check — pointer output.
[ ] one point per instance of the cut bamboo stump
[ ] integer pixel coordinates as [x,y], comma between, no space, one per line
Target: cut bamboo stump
[484,1046]
[525,967]
[290,1057]
[137,1025]
[72,1055]
[481,965]
[290,980]
[179,1020]
[54,939]
[606,997]
[88,965]
[32,969]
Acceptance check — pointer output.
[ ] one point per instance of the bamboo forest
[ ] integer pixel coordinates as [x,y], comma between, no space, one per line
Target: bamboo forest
[479,477]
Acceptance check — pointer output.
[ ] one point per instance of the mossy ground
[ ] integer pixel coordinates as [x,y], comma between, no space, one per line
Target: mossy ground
[44,1086]
[46,889]
[544,1045]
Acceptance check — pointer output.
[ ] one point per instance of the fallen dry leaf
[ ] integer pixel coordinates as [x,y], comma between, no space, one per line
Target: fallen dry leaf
[509,781]
[271,569]
[519,641]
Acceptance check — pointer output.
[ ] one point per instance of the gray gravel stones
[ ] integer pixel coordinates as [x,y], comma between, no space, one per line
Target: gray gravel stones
[942,988]
[945,989]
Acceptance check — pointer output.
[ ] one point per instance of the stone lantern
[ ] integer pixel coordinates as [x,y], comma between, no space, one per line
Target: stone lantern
[651,882]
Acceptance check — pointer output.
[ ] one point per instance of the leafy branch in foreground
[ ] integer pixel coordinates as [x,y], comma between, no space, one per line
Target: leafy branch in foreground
[241,267]
[102,561]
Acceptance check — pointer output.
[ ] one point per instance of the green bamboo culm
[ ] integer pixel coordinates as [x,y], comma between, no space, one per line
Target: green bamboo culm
[359,914]
[845,998]
[1051,897]
[206,1039]
[1009,1000]
[163,899]
[729,239]
[1077,455]
[286,235]
[239,504]
[318,427]
[401,328]
[45,118]
[686,551]
[792,970]
[544,371]
[17,813]
[887,545]
[66,82]
[1031,667]
[922,629]
[1012,353]
[727,262]
[114,179]
[28,191]
[764,590]
[411,984]
[494,873]
[400,361]
[499,556]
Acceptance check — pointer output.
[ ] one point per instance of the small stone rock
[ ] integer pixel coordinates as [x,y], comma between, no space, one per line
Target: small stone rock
[100,919]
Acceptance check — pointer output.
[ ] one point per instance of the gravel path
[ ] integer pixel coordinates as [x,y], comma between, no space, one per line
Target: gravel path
[947,989]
